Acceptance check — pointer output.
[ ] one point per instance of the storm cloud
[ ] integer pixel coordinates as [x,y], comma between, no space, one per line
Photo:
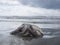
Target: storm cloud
[50,4]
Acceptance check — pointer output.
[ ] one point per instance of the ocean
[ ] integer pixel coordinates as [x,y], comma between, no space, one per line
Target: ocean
[50,26]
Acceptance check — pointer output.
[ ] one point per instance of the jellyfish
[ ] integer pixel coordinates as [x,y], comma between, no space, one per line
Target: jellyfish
[28,32]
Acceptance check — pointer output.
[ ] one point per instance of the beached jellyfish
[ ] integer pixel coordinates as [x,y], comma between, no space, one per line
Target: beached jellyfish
[28,32]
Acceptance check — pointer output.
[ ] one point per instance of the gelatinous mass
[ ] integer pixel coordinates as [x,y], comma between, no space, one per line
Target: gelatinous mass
[28,32]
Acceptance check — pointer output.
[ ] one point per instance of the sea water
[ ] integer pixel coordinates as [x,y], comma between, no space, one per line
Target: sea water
[49,26]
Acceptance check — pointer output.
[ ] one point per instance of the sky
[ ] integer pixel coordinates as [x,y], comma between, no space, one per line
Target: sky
[29,7]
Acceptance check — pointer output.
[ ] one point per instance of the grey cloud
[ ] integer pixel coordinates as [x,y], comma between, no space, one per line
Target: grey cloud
[50,4]
[7,4]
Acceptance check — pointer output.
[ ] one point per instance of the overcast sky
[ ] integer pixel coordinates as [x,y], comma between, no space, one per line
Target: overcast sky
[50,4]
[29,7]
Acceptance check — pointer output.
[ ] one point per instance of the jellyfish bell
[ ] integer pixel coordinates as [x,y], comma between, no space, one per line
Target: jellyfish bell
[28,31]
